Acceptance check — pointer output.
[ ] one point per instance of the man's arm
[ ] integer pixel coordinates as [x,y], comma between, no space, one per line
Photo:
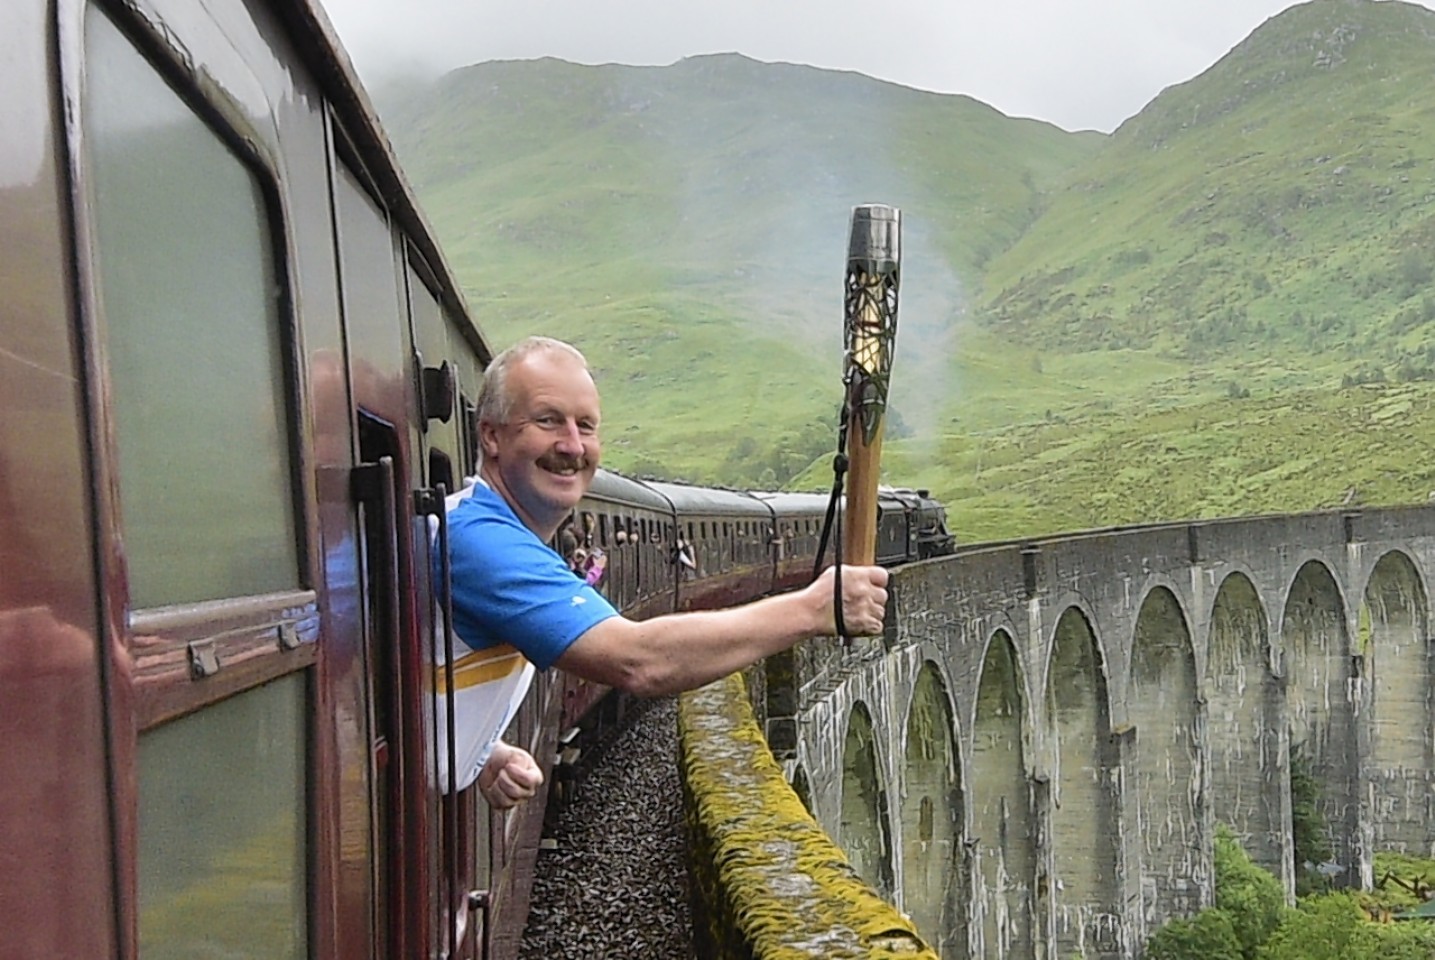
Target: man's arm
[681,651]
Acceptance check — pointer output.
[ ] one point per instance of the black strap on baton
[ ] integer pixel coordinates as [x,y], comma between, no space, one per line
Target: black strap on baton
[833,522]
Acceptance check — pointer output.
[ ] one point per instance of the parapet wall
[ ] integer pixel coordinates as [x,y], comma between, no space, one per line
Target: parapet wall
[768,883]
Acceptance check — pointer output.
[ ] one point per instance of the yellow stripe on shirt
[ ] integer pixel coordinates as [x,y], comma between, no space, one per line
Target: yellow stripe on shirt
[480,666]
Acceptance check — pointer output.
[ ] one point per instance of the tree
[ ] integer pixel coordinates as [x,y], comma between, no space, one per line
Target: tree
[1249,895]
[1312,847]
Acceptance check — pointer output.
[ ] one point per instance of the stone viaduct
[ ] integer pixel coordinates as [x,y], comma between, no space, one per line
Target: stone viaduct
[1033,761]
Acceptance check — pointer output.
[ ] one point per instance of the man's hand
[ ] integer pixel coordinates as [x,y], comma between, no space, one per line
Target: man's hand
[864,599]
[509,777]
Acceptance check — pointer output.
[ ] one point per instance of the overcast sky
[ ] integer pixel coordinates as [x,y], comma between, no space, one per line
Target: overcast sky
[1081,64]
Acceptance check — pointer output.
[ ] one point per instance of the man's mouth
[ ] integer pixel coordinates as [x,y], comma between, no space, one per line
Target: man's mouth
[563,466]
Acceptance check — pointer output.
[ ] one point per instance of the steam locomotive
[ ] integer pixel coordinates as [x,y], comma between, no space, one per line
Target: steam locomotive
[238,377]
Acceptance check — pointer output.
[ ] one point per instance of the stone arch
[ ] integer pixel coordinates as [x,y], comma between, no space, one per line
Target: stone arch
[931,816]
[866,835]
[1320,717]
[1242,724]
[1085,779]
[801,787]
[1393,641]
[1003,826]
[1164,762]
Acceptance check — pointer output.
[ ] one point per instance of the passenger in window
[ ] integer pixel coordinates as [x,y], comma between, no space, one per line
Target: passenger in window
[686,559]
[567,542]
[515,597]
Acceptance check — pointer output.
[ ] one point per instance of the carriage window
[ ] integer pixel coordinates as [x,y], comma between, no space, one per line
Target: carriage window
[469,436]
[441,470]
[222,830]
[192,326]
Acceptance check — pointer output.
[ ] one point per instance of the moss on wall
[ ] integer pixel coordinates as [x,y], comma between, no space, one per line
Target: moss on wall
[768,883]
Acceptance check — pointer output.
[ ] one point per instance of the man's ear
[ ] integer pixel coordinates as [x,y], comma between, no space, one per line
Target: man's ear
[488,438]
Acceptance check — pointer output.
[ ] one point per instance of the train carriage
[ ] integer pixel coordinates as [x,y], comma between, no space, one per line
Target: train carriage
[722,546]
[238,379]
[796,532]
[237,373]
[633,525]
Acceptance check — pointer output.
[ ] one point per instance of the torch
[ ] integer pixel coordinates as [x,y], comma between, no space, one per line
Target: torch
[874,260]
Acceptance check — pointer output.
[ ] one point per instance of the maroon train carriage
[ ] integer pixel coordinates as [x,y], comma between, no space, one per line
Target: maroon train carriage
[633,524]
[796,528]
[723,550]
[235,373]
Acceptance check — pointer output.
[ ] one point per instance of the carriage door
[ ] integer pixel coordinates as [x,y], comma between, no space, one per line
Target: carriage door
[376,324]
[460,911]
[193,333]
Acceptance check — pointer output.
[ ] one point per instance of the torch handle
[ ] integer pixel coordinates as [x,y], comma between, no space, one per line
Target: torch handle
[859,530]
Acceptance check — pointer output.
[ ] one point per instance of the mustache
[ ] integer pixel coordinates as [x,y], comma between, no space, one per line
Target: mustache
[561,461]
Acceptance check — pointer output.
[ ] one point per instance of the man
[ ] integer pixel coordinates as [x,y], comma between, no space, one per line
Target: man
[512,594]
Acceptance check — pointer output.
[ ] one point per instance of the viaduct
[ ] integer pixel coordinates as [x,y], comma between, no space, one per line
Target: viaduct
[1034,759]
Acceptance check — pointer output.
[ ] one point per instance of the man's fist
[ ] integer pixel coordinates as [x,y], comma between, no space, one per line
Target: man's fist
[509,777]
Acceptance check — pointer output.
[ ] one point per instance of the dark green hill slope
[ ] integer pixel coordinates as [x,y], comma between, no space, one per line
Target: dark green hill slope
[687,226]
[1282,202]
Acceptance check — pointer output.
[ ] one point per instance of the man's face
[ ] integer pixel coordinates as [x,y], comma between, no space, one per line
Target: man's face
[543,459]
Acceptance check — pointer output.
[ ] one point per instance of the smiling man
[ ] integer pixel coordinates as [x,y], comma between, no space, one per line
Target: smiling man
[516,602]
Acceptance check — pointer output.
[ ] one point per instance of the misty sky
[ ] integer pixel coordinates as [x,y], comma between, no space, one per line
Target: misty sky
[1081,64]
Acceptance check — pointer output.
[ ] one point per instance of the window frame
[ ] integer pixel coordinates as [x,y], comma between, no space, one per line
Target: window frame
[184,656]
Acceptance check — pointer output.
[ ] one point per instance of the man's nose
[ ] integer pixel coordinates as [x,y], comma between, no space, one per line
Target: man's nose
[570,438]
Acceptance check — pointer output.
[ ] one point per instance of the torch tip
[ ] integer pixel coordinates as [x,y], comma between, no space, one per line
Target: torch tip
[876,239]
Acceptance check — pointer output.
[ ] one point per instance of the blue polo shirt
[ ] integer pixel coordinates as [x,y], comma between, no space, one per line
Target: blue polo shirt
[509,587]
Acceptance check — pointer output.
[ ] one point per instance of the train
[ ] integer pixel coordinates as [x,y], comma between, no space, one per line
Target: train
[238,378]
[667,547]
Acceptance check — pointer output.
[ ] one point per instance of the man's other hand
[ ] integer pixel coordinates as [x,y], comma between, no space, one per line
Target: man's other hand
[510,776]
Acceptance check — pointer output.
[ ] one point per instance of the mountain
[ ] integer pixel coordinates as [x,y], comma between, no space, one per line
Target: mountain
[1282,200]
[687,226]
[1253,248]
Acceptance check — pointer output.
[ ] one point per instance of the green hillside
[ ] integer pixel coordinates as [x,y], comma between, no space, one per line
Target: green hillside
[687,226]
[1284,200]
[1170,321]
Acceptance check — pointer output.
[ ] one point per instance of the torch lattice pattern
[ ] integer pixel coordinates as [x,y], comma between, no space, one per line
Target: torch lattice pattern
[870,335]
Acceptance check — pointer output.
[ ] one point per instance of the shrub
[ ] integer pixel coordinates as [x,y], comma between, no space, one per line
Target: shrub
[1334,927]
[1209,935]
[1322,928]
[1249,895]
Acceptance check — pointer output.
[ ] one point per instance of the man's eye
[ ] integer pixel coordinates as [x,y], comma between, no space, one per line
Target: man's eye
[546,421]
[587,427]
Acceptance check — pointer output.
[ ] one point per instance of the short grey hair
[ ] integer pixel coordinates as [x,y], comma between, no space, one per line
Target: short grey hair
[495,402]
